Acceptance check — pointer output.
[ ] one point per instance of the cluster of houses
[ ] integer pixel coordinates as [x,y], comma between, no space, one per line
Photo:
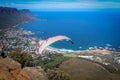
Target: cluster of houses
[12,38]
[113,58]
[17,38]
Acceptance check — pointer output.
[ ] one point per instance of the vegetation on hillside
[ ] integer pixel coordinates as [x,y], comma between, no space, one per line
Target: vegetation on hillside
[81,69]
[24,59]
[57,74]
[51,61]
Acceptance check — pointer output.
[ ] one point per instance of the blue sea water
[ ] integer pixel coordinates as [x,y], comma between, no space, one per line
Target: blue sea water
[85,28]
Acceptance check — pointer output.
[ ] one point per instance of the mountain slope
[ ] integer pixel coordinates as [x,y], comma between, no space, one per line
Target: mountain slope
[12,16]
[80,69]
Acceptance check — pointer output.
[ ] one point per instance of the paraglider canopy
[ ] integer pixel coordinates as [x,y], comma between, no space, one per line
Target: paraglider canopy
[51,40]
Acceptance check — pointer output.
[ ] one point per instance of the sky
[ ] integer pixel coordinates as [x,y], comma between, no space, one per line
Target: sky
[61,4]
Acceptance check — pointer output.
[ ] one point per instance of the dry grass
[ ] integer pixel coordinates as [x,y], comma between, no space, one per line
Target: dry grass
[71,55]
[80,69]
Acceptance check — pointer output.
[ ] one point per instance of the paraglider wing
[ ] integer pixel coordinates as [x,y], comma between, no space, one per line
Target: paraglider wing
[51,40]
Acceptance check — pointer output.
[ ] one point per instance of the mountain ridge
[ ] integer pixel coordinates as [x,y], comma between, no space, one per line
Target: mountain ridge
[10,17]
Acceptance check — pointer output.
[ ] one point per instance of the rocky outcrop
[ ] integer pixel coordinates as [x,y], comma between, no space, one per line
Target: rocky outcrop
[11,70]
[31,73]
[10,64]
[12,16]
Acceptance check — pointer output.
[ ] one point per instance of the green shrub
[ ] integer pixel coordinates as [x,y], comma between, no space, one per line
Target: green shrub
[24,59]
[51,61]
[57,75]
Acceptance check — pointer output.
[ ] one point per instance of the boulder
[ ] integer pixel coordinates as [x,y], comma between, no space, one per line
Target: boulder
[7,65]
[10,63]
[31,73]
[11,70]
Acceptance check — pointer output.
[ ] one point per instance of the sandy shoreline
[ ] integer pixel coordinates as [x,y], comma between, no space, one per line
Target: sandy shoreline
[63,50]
[55,50]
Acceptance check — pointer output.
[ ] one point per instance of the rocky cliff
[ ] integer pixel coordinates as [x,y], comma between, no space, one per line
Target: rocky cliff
[11,70]
[12,16]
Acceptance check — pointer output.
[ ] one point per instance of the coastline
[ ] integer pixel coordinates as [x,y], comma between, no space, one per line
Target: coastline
[27,43]
[18,38]
[33,43]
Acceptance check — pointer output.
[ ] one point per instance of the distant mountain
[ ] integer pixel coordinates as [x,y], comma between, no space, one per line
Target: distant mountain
[11,16]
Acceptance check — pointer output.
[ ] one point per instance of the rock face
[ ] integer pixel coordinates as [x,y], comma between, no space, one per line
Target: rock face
[31,73]
[11,70]
[10,64]
[11,16]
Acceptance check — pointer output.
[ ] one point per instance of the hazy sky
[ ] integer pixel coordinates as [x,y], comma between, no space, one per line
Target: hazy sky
[61,4]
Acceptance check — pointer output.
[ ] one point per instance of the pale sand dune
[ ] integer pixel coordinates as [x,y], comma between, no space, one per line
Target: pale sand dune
[104,51]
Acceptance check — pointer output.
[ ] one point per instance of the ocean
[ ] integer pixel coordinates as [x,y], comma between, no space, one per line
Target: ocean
[100,28]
